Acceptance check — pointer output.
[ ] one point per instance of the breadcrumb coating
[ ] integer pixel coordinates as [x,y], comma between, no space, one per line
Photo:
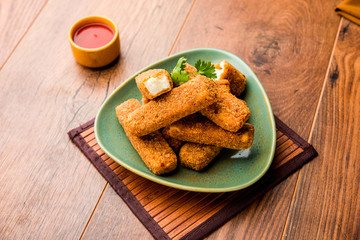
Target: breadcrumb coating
[223,84]
[172,106]
[236,78]
[229,112]
[199,129]
[152,148]
[190,70]
[197,156]
[175,144]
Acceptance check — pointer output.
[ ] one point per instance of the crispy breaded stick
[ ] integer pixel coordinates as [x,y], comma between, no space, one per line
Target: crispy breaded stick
[197,156]
[199,129]
[190,70]
[172,106]
[152,83]
[153,148]
[223,83]
[175,144]
[229,112]
[225,70]
[145,100]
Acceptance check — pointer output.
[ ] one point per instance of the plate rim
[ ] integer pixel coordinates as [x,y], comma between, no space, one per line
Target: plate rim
[155,178]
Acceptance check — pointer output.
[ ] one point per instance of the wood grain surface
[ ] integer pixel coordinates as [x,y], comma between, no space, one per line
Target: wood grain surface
[13,27]
[279,40]
[50,191]
[154,27]
[331,182]
[177,212]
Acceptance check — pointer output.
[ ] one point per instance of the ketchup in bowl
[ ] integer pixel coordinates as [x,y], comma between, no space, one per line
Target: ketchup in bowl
[93,35]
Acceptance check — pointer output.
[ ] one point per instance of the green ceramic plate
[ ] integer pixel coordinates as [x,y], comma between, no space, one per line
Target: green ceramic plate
[232,169]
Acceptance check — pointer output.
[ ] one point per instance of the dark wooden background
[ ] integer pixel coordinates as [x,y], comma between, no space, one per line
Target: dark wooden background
[305,55]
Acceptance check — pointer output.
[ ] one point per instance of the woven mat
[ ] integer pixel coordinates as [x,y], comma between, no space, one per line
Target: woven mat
[170,213]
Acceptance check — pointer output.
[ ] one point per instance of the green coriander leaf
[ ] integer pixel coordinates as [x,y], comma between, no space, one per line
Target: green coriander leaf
[206,69]
[178,74]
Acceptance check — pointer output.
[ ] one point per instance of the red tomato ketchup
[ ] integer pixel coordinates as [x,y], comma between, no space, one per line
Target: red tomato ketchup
[93,35]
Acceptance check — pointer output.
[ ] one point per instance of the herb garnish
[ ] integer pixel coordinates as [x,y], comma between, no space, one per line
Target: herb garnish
[179,75]
[206,69]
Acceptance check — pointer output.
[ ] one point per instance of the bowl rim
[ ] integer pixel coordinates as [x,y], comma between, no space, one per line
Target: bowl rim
[93,19]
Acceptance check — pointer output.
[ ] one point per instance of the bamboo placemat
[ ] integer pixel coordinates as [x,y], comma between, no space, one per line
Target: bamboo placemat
[170,213]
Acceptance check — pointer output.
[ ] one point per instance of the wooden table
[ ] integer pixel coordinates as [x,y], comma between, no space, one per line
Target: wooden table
[306,56]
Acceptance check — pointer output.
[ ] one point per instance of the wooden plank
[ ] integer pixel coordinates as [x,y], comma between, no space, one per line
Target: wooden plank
[331,182]
[178,196]
[90,137]
[136,190]
[87,133]
[120,171]
[149,192]
[157,201]
[288,45]
[114,165]
[48,189]
[284,147]
[150,35]
[13,27]
[179,233]
[288,151]
[262,219]
[114,220]
[138,182]
[201,216]
[107,159]
[281,139]
[130,179]
[287,158]
[191,197]
[183,217]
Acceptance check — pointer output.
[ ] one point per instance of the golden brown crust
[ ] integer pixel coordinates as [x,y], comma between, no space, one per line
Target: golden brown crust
[222,81]
[229,112]
[143,77]
[236,78]
[223,84]
[145,100]
[172,106]
[199,129]
[190,70]
[153,148]
[123,110]
[175,144]
[197,156]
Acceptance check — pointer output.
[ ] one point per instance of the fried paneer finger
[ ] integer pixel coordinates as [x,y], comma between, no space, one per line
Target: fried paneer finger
[223,84]
[153,83]
[180,102]
[197,156]
[191,70]
[224,70]
[175,144]
[152,148]
[229,112]
[199,129]
[145,100]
